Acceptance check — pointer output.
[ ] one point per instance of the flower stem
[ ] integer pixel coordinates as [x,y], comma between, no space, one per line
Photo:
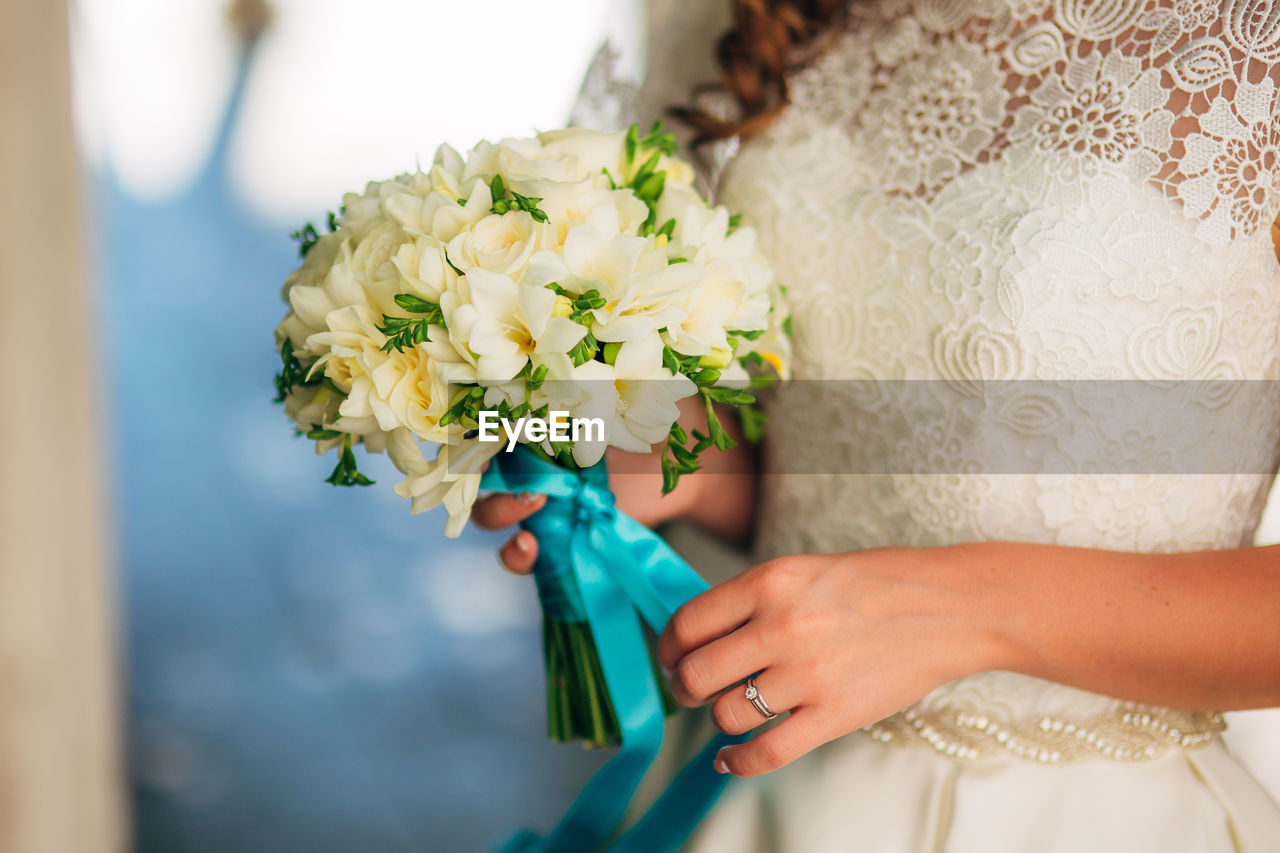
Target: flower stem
[578,704]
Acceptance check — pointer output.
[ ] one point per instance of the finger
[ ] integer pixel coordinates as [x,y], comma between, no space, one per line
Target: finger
[705,671]
[804,730]
[704,618]
[518,555]
[504,510]
[734,714]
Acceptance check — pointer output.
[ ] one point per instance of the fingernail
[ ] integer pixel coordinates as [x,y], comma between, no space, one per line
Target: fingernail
[525,542]
[721,767]
[526,498]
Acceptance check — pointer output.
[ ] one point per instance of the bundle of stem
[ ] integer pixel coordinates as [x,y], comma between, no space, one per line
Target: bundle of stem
[578,703]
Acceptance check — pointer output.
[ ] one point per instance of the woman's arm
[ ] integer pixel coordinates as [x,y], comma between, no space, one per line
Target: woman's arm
[845,640]
[720,497]
[1198,630]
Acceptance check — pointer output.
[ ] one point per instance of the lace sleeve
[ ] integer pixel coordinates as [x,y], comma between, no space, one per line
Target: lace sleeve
[1178,93]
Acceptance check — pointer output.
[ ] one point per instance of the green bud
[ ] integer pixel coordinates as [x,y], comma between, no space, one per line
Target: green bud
[719,358]
[611,351]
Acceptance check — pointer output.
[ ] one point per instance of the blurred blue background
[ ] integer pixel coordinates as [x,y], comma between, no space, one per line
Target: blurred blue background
[310,668]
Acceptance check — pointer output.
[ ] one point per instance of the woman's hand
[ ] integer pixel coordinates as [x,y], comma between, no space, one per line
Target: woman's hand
[720,497]
[839,640]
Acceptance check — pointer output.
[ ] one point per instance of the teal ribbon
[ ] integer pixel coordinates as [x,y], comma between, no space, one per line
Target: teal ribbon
[597,565]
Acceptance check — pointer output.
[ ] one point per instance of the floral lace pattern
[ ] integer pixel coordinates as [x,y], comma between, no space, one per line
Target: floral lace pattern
[987,191]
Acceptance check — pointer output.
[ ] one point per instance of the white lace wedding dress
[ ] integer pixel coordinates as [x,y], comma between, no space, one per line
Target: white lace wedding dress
[998,195]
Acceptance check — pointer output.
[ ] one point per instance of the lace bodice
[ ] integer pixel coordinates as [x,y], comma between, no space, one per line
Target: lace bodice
[1006,196]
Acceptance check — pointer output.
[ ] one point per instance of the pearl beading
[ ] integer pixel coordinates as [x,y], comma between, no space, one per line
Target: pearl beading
[1140,733]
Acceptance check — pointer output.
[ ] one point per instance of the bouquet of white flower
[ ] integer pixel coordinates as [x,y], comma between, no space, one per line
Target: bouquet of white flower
[577,275]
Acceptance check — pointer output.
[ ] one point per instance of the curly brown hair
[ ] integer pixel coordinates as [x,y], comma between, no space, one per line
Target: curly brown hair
[768,39]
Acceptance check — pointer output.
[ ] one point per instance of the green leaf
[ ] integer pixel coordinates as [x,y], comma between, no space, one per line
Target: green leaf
[633,139]
[293,373]
[655,138]
[536,379]
[345,472]
[685,458]
[719,437]
[752,421]
[321,434]
[670,475]
[651,188]
[584,350]
[646,169]
[670,360]
[728,396]
[668,228]
[307,237]
[415,305]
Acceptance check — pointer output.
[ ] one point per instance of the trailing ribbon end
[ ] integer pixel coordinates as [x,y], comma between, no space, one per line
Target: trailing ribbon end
[598,566]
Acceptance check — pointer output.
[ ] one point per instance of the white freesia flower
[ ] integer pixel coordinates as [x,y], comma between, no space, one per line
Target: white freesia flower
[568,204]
[451,479]
[647,393]
[436,212]
[424,268]
[501,324]
[642,292]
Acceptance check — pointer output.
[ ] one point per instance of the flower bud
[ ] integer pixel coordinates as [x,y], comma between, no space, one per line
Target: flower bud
[719,358]
[563,307]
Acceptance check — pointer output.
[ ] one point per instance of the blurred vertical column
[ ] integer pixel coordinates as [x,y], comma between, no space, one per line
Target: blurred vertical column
[60,780]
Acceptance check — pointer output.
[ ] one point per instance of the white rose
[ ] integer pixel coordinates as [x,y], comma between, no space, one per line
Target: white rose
[501,243]
[590,150]
[371,258]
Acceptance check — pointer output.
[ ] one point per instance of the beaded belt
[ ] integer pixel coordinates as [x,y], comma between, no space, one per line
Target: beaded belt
[1132,733]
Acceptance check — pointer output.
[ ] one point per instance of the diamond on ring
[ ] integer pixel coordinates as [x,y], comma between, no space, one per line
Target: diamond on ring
[757,701]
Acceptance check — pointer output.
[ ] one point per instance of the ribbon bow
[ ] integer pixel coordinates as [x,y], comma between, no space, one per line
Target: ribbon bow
[598,565]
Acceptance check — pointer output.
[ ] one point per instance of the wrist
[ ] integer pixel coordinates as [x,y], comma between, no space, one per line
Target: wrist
[978,589]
